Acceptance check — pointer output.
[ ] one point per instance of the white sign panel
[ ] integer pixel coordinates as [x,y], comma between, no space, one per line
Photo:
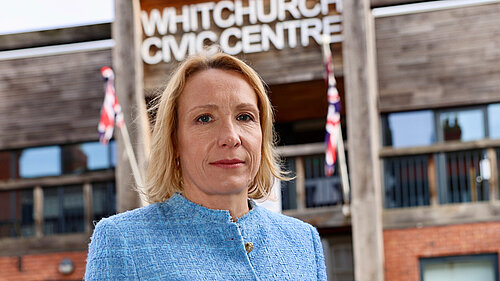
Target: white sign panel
[172,34]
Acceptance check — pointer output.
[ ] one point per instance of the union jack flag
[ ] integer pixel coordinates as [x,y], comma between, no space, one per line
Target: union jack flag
[111,110]
[333,116]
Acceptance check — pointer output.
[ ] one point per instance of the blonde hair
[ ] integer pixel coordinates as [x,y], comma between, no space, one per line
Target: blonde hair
[164,177]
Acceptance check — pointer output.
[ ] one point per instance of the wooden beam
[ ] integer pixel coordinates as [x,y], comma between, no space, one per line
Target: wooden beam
[441,215]
[303,149]
[128,68]
[382,3]
[363,138]
[46,244]
[439,147]
[60,180]
[323,217]
[55,36]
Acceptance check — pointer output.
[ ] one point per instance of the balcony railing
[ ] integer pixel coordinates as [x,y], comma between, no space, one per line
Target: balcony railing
[310,188]
[406,181]
[441,176]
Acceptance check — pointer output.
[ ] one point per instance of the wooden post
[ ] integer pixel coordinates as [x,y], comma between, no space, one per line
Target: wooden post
[300,183]
[432,178]
[363,139]
[493,182]
[128,69]
[38,210]
[473,184]
[88,207]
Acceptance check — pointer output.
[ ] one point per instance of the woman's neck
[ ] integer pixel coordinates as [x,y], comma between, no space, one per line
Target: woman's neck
[236,204]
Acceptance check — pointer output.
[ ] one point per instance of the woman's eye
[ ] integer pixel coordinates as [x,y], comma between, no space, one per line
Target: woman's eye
[204,119]
[245,117]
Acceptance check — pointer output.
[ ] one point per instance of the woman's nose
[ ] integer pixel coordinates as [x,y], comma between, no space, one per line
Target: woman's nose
[228,136]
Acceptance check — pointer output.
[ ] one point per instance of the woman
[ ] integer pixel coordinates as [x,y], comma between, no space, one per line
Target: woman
[212,150]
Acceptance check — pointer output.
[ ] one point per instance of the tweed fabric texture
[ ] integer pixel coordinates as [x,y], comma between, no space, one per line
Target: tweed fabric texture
[180,240]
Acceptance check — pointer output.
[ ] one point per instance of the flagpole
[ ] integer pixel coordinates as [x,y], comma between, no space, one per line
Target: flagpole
[131,156]
[344,176]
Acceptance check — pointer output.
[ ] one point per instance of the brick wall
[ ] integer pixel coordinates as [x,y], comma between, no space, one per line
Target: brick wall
[41,267]
[404,247]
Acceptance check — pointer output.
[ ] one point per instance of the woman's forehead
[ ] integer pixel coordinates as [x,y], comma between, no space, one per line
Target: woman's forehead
[215,86]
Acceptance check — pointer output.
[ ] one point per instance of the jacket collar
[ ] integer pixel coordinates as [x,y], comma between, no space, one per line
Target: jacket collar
[181,209]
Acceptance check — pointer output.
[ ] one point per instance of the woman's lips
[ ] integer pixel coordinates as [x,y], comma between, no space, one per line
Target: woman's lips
[228,163]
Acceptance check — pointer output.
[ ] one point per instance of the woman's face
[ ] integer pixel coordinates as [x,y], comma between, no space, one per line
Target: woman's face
[219,133]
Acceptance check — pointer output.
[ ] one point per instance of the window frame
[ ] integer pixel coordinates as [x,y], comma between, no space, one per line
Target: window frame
[437,126]
[493,257]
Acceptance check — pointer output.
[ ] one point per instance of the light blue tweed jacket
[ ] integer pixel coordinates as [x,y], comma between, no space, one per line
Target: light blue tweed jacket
[180,240]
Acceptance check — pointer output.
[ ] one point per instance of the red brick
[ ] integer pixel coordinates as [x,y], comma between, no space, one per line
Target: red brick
[404,247]
[42,267]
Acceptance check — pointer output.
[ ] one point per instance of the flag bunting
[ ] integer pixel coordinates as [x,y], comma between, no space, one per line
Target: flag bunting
[333,116]
[111,111]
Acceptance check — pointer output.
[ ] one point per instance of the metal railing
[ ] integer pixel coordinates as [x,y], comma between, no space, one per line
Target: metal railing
[406,181]
[447,177]
[310,188]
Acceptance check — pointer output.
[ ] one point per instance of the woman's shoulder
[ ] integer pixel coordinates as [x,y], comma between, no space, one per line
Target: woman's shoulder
[131,219]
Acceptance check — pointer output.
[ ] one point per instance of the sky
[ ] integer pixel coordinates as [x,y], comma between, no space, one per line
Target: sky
[32,15]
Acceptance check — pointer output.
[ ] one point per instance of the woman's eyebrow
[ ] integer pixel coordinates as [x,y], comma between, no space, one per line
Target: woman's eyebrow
[203,107]
[247,106]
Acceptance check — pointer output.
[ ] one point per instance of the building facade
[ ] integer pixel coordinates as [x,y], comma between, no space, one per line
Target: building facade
[420,90]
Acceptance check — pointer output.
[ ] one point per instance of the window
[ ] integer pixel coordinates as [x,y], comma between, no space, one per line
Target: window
[460,268]
[63,209]
[338,256]
[494,120]
[89,156]
[461,125]
[40,161]
[289,188]
[320,191]
[57,160]
[405,129]
[16,213]
[458,175]
[426,127]
[104,200]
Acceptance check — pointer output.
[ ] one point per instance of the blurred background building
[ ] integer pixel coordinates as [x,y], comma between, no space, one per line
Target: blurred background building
[420,90]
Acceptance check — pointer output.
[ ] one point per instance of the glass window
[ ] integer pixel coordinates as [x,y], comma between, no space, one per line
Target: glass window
[404,129]
[16,213]
[460,268]
[464,125]
[97,154]
[494,120]
[103,200]
[40,161]
[63,209]
[79,158]
[339,256]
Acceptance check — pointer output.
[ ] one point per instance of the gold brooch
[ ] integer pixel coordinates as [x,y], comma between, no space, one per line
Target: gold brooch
[248,247]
